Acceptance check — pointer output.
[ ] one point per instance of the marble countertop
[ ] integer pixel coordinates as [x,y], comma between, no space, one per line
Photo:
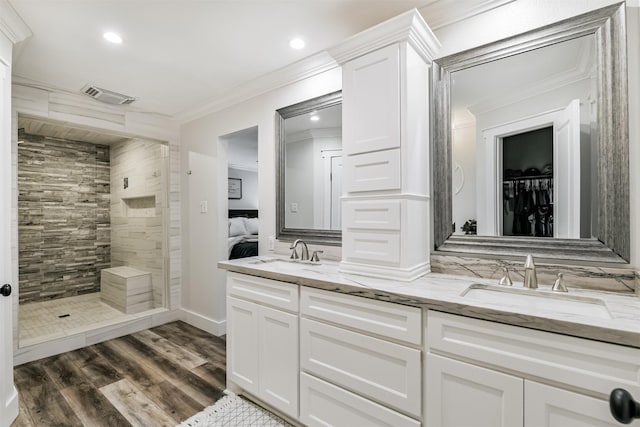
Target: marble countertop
[602,316]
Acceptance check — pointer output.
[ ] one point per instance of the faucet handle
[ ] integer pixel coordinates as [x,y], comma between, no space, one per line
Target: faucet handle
[314,257]
[506,280]
[294,253]
[559,285]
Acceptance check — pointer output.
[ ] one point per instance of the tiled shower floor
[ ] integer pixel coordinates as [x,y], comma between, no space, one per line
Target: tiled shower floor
[41,321]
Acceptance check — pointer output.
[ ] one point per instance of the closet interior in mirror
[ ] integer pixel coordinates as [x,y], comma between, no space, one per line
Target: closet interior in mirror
[524,152]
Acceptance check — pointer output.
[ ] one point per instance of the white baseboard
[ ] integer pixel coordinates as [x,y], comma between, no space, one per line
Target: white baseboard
[10,412]
[214,327]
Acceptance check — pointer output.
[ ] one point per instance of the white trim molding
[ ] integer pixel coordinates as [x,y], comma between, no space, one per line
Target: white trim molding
[409,26]
[214,327]
[11,24]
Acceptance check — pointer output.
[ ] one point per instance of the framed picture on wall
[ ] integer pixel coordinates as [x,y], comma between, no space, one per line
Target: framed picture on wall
[235,188]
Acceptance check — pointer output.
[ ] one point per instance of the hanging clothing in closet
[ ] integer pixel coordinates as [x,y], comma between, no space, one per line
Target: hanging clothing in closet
[530,200]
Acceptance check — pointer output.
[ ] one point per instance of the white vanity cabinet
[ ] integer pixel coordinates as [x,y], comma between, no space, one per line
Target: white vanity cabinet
[360,360]
[262,339]
[482,373]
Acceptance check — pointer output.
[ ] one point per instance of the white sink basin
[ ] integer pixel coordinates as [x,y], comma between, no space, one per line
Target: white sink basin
[538,300]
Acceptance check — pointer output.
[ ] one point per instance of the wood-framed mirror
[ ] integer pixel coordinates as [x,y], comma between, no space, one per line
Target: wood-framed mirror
[571,206]
[309,170]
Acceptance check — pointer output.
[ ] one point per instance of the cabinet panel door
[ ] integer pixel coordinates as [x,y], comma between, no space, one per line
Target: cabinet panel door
[242,343]
[325,404]
[279,360]
[371,106]
[380,370]
[462,395]
[548,406]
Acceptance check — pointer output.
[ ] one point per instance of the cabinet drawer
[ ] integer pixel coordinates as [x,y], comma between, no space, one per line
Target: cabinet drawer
[372,215]
[377,317]
[263,291]
[376,247]
[372,171]
[375,368]
[579,363]
[324,404]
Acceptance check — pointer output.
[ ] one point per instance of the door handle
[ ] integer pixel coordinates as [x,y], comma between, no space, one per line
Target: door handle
[623,408]
[5,290]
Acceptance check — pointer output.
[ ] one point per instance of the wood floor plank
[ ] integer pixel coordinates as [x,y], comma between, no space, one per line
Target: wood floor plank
[176,403]
[29,375]
[24,418]
[197,387]
[47,407]
[135,406]
[63,371]
[195,340]
[173,373]
[171,351]
[128,367]
[213,374]
[95,368]
[92,407]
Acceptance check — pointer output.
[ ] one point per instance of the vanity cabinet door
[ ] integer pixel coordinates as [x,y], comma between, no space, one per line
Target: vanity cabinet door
[278,355]
[548,406]
[371,107]
[242,343]
[462,395]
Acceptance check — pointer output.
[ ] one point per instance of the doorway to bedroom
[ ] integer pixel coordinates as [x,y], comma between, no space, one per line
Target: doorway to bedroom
[242,175]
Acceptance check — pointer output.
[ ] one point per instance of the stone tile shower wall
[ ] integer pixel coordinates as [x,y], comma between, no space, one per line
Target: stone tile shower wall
[138,212]
[63,217]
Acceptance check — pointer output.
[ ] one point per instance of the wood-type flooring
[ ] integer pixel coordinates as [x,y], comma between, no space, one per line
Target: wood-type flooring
[157,377]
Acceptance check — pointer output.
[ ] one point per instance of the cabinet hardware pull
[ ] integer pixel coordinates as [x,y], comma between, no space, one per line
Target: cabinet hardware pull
[623,408]
[5,290]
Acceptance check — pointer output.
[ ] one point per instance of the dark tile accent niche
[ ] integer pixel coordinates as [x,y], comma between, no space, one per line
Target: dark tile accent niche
[64,226]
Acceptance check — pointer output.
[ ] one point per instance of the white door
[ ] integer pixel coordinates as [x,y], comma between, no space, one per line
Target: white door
[242,344]
[336,193]
[278,354]
[8,394]
[553,407]
[566,172]
[460,395]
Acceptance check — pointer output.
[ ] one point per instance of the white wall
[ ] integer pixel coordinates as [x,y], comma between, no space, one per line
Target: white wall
[204,135]
[250,197]
[524,15]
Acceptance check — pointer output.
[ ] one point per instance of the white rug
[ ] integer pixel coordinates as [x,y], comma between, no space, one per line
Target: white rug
[234,411]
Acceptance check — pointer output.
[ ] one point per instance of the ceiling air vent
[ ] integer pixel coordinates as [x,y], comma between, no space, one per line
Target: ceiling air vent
[107,96]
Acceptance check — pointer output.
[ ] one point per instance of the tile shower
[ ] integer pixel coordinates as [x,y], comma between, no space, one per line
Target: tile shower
[75,218]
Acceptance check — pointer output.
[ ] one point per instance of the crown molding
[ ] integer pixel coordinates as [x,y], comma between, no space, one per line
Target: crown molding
[407,27]
[297,71]
[544,86]
[441,13]
[11,24]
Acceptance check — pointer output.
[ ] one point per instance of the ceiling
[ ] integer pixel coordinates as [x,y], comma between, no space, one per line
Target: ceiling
[181,55]
[498,83]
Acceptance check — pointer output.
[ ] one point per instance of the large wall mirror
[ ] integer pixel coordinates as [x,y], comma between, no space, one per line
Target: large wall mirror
[309,170]
[531,143]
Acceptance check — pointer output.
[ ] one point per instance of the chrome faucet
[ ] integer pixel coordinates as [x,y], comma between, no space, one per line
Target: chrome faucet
[304,256]
[530,278]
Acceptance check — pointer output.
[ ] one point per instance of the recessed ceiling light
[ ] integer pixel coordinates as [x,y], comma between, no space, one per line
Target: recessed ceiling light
[314,118]
[296,43]
[112,37]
